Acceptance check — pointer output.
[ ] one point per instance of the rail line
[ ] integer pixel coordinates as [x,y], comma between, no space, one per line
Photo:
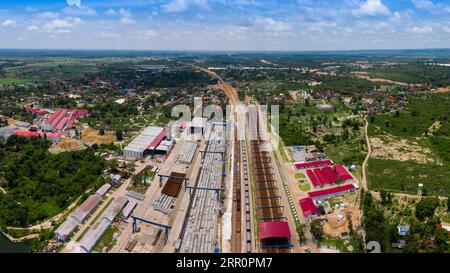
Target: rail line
[268,204]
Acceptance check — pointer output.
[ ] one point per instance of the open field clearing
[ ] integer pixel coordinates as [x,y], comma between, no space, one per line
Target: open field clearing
[92,135]
[404,177]
[388,147]
[365,76]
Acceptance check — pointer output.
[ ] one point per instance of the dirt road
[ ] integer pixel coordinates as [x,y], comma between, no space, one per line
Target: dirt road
[369,152]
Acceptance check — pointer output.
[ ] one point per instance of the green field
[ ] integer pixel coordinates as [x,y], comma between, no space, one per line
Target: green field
[299,176]
[12,81]
[305,187]
[404,177]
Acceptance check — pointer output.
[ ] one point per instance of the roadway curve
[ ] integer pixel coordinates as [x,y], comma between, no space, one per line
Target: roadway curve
[369,152]
[227,88]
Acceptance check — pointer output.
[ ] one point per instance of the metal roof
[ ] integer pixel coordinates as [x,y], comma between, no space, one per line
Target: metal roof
[308,206]
[86,207]
[66,228]
[113,210]
[141,142]
[94,234]
[103,189]
[274,230]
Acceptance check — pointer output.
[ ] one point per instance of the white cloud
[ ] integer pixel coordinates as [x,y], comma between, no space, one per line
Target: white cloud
[62,25]
[372,8]
[57,23]
[48,15]
[111,12]
[32,28]
[9,23]
[422,30]
[127,21]
[272,25]
[125,12]
[80,11]
[182,5]
[147,34]
[423,4]
[74,3]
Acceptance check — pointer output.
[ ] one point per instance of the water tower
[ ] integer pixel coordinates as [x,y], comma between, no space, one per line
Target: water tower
[420,189]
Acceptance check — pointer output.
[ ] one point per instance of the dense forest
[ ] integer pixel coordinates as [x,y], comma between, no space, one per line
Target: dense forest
[183,79]
[39,184]
[345,85]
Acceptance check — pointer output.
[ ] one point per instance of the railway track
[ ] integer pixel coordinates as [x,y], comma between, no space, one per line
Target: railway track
[268,203]
[236,220]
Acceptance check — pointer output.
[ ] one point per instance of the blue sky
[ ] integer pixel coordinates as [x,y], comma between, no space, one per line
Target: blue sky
[225,24]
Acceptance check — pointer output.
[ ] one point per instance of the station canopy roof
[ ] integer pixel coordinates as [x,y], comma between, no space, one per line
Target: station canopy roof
[274,230]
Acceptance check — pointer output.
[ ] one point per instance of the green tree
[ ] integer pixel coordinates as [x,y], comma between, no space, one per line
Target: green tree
[426,207]
[317,230]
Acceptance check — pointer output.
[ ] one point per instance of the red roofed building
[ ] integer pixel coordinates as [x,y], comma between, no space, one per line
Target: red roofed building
[329,173]
[157,140]
[313,164]
[49,136]
[308,207]
[332,192]
[313,178]
[269,230]
[322,178]
[343,173]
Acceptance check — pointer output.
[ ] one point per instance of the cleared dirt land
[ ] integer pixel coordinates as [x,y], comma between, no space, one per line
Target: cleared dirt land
[389,147]
[68,144]
[92,135]
[364,75]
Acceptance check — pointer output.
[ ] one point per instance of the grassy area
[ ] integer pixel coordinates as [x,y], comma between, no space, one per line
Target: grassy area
[107,240]
[12,81]
[18,233]
[305,187]
[283,152]
[346,153]
[399,176]
[340,245]
[300,176]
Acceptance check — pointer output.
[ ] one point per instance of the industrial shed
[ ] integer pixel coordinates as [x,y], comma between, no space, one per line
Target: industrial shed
[114,209]
[91,238]
[332,192]
[86,208]
[126,212]
[148,140]
[198,126]
[103,189]
[313,164]
[6,132]
[66,228]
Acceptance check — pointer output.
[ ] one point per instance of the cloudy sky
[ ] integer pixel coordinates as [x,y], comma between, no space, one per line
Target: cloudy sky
[225,24]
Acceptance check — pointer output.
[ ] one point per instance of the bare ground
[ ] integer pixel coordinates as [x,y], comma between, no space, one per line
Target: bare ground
[92,135]
[401,150]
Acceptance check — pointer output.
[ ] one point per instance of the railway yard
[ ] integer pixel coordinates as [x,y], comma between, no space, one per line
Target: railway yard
[207,193]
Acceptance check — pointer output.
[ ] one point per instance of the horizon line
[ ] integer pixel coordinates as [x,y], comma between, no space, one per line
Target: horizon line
[224,50]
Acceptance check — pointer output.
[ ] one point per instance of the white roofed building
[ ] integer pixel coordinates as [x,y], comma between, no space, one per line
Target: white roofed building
[149,139]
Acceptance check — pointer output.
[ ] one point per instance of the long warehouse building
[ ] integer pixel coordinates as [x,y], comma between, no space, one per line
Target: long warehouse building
[150,140]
